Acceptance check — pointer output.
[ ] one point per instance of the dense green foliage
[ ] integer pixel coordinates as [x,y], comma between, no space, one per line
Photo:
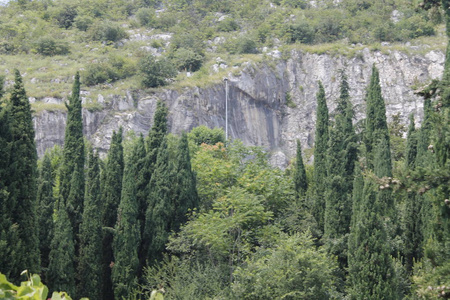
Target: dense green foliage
[198,217]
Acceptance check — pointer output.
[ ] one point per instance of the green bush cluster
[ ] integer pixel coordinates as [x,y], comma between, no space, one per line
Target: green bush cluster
[154,72]
[115,68]
[187,60]
[227,25]
[107,31]
[146,16]
[49,46]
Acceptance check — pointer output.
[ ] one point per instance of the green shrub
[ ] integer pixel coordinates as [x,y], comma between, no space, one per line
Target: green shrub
[7,47]
[49,46]
[83,22]
[166,20]
[415,27]
[156,73]
[227,25]
[65,16]
[115,68]
[99,73]
[146,16]
[300,32]
[203,134]
[107,31]
[187,40]
[245,45]
[187,60]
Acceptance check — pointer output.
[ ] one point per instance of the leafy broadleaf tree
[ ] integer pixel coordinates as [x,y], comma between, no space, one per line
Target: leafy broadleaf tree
[320,158]
[90,258]
[274,273]
[126,234]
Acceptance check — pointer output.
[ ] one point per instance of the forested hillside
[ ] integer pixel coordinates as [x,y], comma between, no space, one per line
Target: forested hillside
[200,216]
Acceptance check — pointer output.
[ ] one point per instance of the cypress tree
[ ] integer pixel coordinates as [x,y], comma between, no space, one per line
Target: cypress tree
[61,270]
[300,181]
[160,204]
[113,180]
[156,134]
[153,142]
[22,204]
[127,235]
[376,124]
[342,154]
[371,272]
[412,236]
[112,188]
[73,158]
[45,212]
[320,158]
[8,232]
[90,270]
[186,197]
[338,203]
[141,198]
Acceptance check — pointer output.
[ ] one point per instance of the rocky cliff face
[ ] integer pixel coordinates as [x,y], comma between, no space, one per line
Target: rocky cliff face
[258,112]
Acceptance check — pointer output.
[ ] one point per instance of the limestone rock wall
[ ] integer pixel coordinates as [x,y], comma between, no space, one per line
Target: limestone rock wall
[257,110]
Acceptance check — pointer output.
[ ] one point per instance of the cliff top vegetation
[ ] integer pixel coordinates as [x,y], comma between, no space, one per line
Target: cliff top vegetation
[120,45]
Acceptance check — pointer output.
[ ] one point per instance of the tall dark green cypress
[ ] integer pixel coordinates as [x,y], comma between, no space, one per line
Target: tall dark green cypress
[112,189]
[141,198]
[371,272]
[61,270]
[153,142]
[300,180]
[126,235]
[46,203]
[186,196]
[341,157]
[90,270]
[412,221]
[113,180]
[22,188]
[73,159]
[160,205]
[320,158]
[376,124]
[157,133]
[5,219]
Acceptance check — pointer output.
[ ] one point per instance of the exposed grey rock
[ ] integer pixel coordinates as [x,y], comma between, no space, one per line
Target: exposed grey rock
[257,110]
